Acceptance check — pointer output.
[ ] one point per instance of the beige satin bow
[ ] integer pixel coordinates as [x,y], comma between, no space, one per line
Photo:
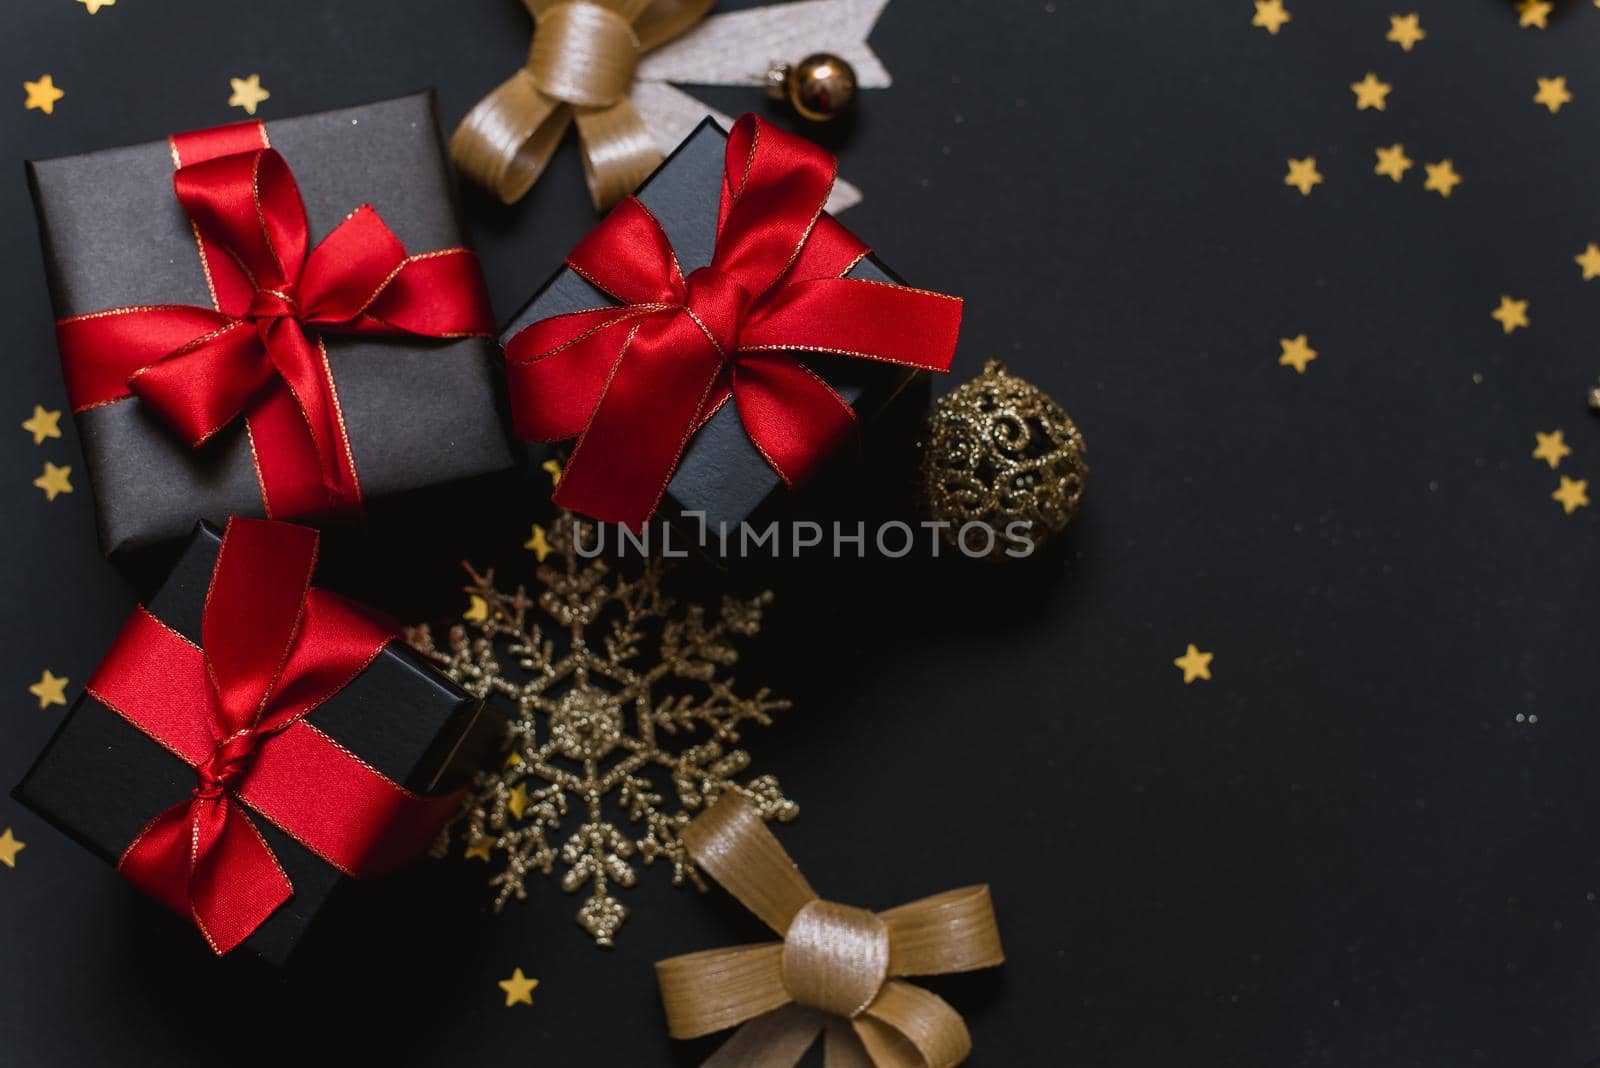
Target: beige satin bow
[833,973]
[579,68]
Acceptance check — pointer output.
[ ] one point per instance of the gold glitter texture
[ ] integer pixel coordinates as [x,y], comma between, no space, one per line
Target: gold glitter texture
[622,722]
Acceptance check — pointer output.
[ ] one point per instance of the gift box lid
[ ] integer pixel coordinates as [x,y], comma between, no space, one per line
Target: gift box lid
[101,780]
[721,474]
[415,411]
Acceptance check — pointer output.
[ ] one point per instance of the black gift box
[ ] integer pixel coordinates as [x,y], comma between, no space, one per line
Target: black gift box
[720,473]
[417,411]
[100,779]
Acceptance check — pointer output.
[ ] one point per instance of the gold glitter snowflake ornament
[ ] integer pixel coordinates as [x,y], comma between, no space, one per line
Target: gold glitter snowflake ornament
[597,721]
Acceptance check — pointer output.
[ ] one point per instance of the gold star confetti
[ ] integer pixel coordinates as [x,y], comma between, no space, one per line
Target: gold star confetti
[537,543]
[1442,177]
[1573,494]
[517,801]
[480,848]
[54,481]
[1303,175]
[50,690]
[1393,162]
[1371,93]
[1589,261]
[1405,31]
[247,93]
[1195,664]
[9,848]
[477,609]
[46,422]
[1552,448]
[1552,93]
[553,468]
[42,95]
[1534,13]
[1270,16]
[94,6]
[1296,353]
[1511,314]
[519,989]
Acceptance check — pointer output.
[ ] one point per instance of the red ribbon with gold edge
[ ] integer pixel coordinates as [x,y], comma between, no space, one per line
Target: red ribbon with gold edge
[233,708]
[259,352]
[634,383]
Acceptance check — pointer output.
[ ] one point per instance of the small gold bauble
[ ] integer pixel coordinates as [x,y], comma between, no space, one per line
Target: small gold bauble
[998,450]
[820,87]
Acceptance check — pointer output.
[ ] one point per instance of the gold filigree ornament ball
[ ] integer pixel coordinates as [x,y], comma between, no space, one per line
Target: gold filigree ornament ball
[999,451]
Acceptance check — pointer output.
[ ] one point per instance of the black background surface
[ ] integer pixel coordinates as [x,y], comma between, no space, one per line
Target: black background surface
[1342,850]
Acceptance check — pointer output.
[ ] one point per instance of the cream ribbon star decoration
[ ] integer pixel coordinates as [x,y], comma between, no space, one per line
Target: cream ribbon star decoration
[613,67]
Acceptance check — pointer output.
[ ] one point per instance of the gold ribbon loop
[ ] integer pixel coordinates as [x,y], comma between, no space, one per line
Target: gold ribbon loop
[917,1018]
[721,988]
[835,958]
[580,65]
[830,975]
[583,54]
[950,932]
[732,844]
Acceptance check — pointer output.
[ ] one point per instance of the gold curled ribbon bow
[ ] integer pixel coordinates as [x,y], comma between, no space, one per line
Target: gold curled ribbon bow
[579,68]
[835,971]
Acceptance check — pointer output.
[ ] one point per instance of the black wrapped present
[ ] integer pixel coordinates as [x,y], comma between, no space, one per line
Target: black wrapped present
[348,766]
[717,336]
[224,360]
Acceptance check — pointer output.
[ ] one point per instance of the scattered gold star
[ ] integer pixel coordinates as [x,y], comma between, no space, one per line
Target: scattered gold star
[94,6]
[553,467]
[1371,93]
[1195,664]
[1393,162]
[1553,93]
[477,609]
[1553,447]
[1296,353]
[42,95]
[247,93]
[54,480]
[537,543]
[1303,175]
[46,422]
[480,848]
[519,989]
[517,803]
[1534,13]
[1442,177]
[9,848]
[1510,314]
[1589,260]
[513,758]
[1573,494]
[50,690]
[1405,31]
[1270,16]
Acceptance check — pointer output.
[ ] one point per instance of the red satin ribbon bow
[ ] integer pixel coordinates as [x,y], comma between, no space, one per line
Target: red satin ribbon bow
[272,650]
[633,383]
[259,353]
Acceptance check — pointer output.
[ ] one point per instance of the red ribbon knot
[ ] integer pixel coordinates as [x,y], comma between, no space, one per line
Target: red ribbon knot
[258,354]
[633,383]
[718,305]
[225,766]
[273,649]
